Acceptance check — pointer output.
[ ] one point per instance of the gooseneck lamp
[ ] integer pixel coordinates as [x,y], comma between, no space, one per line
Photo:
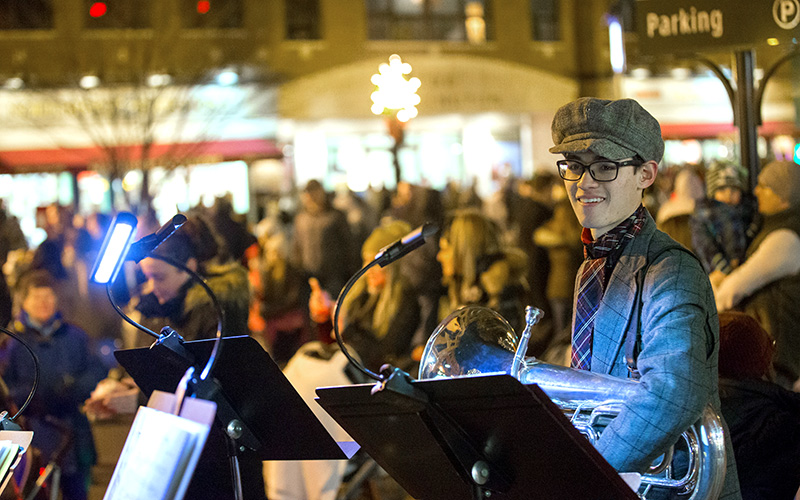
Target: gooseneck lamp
[383,258]
[118,248]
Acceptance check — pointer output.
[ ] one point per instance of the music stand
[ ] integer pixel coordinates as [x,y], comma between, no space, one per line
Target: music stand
[509,437]
[272,418]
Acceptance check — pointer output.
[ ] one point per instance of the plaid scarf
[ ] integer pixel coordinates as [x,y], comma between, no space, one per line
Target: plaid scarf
[601,257]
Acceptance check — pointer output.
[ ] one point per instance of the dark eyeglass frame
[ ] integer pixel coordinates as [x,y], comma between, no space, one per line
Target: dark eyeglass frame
[563,167]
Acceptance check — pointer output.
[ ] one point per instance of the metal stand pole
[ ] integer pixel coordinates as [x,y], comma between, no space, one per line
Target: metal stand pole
[55,483]
[232,432]
[745,113]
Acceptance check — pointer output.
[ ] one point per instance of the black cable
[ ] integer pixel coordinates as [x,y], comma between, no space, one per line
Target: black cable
[339,303]
[35,371]
[125,316]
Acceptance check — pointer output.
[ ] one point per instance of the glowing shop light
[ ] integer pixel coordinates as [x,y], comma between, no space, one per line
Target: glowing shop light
[227,78]
[616,46]
[89,81]
[158,80]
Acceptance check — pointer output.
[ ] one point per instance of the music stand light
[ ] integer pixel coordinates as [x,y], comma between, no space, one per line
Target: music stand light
[115,248]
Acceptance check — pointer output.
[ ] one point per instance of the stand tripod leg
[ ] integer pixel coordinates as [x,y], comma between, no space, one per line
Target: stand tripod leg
[236,476]
[55,483]
[53,472]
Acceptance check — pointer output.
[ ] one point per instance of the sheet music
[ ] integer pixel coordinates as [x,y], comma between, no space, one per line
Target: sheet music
[13,445]
[8,454]
[155,457]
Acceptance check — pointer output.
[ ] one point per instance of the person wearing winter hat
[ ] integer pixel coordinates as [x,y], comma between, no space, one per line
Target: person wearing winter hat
[723,225]
[767,284]
[643,304]
[725,181]
[761,415]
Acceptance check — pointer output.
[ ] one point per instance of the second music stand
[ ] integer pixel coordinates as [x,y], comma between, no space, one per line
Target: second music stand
[475,436]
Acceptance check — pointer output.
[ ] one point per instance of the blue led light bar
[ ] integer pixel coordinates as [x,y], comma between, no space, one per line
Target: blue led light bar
[115,248]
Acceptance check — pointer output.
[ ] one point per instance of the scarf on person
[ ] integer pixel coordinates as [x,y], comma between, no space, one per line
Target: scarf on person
[25,322]
[601,255]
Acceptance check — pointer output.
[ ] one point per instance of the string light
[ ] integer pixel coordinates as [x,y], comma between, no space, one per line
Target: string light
[395,92]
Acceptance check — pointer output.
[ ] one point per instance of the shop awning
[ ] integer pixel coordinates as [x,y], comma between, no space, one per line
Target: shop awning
[712,130]
[40,160]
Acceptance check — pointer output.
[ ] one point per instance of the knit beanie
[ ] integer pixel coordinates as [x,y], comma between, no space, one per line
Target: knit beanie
[722,174]
[783,177]
[745,348]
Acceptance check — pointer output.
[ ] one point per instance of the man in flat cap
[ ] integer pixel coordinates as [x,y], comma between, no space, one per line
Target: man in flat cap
[644,307]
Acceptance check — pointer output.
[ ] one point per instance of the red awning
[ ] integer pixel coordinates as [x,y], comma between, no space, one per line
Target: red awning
[712,130]
[37,160]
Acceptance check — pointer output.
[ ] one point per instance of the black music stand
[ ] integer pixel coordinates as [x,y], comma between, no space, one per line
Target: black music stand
[509,437]
[273,419]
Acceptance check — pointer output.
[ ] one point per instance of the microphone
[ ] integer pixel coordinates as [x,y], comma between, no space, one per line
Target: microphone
[406,244]
[385,256]
[141,248]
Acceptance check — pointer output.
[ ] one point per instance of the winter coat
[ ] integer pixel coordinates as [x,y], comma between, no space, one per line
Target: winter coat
[191,313]
[68,374]
[678,361]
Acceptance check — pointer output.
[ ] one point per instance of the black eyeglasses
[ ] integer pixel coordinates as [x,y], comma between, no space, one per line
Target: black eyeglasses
[600,170]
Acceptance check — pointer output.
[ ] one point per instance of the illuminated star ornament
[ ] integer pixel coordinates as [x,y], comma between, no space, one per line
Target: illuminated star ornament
[395,93]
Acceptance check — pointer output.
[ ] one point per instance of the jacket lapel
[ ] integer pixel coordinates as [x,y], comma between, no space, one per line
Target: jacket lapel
[617,307]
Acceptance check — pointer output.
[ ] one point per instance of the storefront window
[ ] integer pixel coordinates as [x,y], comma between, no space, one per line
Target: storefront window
[302,20]
[363,160]
[23,194]
[423,19]
[183,188]
[544,20]
[26,15]
[213,14]
[625,12]
[99,14]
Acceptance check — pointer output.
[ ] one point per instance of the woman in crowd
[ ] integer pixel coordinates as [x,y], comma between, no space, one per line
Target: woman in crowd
[68,373]
[380,314]
[561,237]
[767,284]
[277,286]
[173,299]
[476,269]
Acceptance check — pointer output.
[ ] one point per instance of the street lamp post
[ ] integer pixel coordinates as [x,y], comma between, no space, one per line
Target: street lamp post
[396,98]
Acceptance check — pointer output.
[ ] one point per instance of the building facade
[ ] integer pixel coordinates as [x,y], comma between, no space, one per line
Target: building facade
[284,87]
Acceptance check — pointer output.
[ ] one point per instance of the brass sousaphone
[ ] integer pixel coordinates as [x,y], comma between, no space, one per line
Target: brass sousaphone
[474,340]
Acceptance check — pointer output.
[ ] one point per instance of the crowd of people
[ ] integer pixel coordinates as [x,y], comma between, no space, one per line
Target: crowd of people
[278,281]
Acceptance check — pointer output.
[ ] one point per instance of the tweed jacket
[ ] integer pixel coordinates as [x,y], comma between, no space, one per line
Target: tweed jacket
[679,351]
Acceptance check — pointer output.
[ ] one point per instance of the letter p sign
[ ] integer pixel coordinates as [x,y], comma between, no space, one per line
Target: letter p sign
[786,13]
